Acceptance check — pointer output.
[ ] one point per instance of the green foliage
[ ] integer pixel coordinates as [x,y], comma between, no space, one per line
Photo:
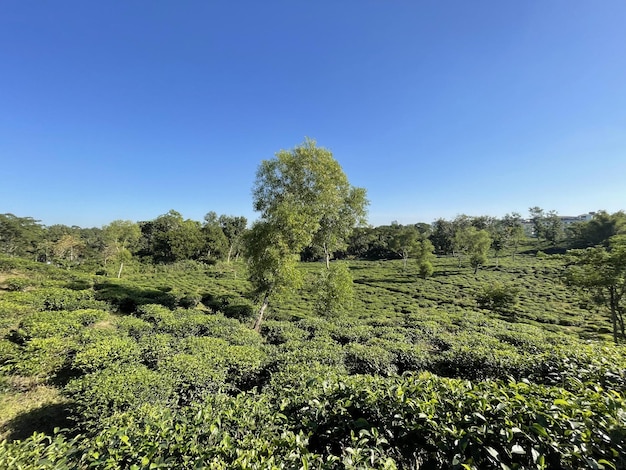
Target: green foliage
[99,395]
[602,274]
[333,291]
[426,269]
[191,387]
[44,357]
[369,359]
[135,327]
[443,423]
[56,298]
[17,284]
[498,297]
[19,236]
[306,190]
[108,353]
[597,231]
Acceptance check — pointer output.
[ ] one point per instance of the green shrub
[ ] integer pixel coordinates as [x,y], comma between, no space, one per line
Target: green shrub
[17,284]
[134,327]
[108,353]
[9,353]
[155,348]
[279,332]
[57,298]
[199,368]
[99,395]
[498,297]
[51,324]
[366,359]
[44,357]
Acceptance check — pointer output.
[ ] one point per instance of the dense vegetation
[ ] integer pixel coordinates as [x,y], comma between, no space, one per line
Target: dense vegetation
[163,368]
[132,346]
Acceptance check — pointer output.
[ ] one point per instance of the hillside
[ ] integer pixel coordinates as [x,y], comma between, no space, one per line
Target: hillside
[162,368]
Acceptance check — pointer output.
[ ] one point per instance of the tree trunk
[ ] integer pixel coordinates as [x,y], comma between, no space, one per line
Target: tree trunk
[613,313]
[259,319]
[119,273]
[230,251]
[327,256]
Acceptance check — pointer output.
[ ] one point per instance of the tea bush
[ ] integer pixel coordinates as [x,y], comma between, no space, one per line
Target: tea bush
[99,395]
[17,284]
[109,353]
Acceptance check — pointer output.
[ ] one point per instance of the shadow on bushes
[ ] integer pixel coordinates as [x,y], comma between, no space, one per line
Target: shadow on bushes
[43,419]
[126,298]
[232,307]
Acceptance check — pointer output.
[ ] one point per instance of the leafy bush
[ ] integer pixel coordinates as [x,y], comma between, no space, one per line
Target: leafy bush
[194,376]
[498,297]
[446,423]
[58,298]
[49,324]
[369,359]
[155,348]
[99,395]
[134,327]
[17,284]
[279,332]
[44,357]
[108,353]
[333,290]
[89,316]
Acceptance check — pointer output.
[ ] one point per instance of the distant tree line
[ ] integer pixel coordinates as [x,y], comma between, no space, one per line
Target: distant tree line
[166,239]
[170,238]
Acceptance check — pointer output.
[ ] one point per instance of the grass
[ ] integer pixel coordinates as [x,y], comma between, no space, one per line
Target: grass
[26,406]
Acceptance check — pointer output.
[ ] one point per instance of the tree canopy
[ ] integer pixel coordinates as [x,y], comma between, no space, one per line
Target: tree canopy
[304,198]
[306,189]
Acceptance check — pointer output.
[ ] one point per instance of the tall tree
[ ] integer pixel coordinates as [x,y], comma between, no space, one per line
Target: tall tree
[598,230]
[405,241]
[514,231]
[68,248]
[121,236]
[537,218]
[272,262]
[19,236]
[601,273]
[233,228]
[424,255]
[215,241]
[170,238]
[308,183]
[473,243]
[442,236]
[553,228]
[304,198]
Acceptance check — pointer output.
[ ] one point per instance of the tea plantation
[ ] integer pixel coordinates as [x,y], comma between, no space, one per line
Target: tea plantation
[161,369]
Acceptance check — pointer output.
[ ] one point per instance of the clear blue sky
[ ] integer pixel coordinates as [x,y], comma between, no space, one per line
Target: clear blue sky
[127,109]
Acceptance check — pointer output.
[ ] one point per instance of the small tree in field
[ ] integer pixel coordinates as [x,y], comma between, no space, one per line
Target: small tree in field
[405,241]
[473,243]
[121,236]
[498,297]
[309,183]
[333,291]
[424,254]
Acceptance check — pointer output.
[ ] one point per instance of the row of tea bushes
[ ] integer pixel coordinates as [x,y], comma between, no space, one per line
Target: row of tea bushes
[415,421]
